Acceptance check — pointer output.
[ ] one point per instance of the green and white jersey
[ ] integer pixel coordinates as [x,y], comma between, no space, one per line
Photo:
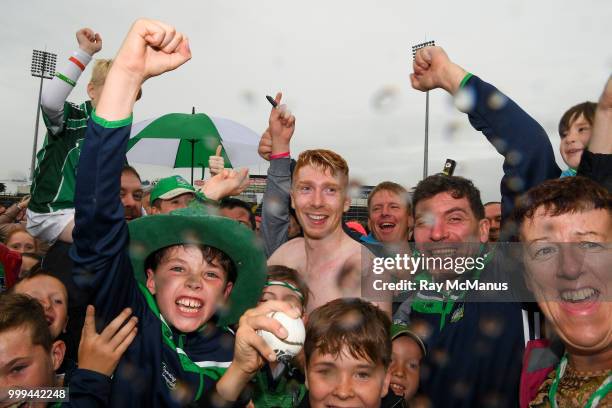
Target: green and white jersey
[55,174]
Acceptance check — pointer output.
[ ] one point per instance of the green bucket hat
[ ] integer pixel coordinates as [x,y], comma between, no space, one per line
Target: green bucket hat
[398,330]
[193,225]
[170,187]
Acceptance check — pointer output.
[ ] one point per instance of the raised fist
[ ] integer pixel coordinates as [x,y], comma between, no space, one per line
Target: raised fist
[89,41]
[152,48]
[433,69]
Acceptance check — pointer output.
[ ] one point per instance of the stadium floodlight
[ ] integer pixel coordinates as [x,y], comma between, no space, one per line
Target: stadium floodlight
[43,64]
[43,67]
[415,48]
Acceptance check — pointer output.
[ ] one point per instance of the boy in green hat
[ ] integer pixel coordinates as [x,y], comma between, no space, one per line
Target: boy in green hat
[202,271]
[171,193]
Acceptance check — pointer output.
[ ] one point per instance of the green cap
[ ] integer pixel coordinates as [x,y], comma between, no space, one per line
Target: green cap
[398,330]
[171,187]
[193,225]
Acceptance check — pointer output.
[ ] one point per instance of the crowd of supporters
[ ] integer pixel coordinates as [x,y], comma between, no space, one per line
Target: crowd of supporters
[133,296]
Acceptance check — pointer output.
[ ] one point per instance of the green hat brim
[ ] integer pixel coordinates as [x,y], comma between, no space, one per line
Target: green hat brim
[151,233]
[175,192]
[398,330]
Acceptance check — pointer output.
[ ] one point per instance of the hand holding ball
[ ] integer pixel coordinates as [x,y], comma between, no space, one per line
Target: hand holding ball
[287,348]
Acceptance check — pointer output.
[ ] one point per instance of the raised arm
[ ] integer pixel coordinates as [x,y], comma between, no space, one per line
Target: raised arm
[596,161]
[226,183]
[216,163]
[56,92]
[275,146]
[601,140]
[529,156]
[100,234]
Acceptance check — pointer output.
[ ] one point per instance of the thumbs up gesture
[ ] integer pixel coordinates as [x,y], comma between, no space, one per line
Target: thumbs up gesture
[216,162]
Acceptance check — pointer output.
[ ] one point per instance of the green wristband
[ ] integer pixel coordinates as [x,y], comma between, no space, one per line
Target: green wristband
[202,197]
[65,79]
[465,79]
[111,124]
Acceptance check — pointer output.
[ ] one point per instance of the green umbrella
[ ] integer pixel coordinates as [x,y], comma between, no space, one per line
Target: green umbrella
[182,140]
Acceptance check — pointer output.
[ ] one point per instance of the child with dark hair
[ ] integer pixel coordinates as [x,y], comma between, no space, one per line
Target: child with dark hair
[575,129]
[30,357]
[238,210]
[50,293]
[348,353]
[284,283]
[407,351]
[281,383]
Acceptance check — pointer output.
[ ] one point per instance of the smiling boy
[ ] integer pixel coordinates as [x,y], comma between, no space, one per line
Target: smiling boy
[281,383]
[348,352]
[171,193]
[52,296]
[195,266]
[28,354]
[575,129]
[407,351]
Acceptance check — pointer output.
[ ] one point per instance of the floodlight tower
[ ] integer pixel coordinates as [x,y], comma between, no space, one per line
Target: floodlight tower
[415,48]
[43,67]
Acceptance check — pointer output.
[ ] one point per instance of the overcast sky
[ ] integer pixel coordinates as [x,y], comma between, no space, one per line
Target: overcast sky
[333,59]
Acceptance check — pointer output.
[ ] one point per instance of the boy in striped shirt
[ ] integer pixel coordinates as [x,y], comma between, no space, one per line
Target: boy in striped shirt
[50,213]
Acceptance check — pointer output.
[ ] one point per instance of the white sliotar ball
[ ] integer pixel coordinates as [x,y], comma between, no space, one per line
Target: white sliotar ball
[285,349]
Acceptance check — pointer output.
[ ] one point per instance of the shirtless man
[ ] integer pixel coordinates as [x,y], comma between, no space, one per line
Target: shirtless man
[326,257]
